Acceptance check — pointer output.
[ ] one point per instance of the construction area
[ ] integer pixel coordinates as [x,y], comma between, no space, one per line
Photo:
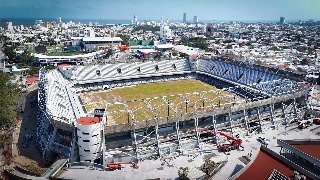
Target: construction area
[168,165]
[199,133]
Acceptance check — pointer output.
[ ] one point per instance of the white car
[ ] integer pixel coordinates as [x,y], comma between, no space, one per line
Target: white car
[263,140]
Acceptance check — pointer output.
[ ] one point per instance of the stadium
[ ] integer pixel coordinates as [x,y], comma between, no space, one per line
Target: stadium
[132,111]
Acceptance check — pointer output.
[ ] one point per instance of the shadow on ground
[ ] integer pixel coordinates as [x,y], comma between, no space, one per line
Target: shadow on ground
[29,156]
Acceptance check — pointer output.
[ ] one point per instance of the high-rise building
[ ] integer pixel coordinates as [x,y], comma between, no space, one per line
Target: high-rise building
[184,17]
[282,20]
[165,31]
[135,19]
[10,27]
[59,20]
[195,19]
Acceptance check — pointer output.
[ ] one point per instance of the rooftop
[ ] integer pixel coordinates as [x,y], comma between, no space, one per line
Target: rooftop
[88,120]
[31,80]
[311,149]
[263,166]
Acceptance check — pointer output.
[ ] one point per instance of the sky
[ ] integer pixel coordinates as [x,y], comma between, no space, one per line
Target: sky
[250,10]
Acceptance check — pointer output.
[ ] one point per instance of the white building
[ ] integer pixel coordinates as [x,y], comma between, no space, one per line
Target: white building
[86,32]
[10,27]
[165,33]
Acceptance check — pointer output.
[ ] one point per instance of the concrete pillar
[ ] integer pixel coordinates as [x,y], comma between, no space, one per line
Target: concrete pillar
[103,145]
[231,124]
[136,154]
[272,113]
[259,119]
[178,135]
[196,122]
[214,125]
[284,113]
[157,137]
[295,112]
[246,121]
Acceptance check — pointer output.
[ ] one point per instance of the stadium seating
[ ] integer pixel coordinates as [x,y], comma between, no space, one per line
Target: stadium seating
[245,76]
[85,73]
[57,101]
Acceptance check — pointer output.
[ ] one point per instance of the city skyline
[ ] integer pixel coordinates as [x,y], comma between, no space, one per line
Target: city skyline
[249,10]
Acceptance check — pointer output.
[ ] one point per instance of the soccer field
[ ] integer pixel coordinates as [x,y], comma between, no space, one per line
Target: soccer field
[135,97]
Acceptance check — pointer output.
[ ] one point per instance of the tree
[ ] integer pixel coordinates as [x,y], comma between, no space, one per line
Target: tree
[184,55]
[26,57]
[183,173]
[145,28]
[4,140]
[304,61]
[109,52]
[174,53]
[197,42]
[8,101]
[208,166]
[125,39]
[33,70]
[9,50]
[157,57]
[184,41]
[229,46]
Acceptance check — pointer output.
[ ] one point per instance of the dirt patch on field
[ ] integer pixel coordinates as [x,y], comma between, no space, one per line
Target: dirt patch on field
[186,96]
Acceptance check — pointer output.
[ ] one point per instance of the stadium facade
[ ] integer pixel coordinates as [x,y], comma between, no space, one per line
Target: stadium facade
[66,129]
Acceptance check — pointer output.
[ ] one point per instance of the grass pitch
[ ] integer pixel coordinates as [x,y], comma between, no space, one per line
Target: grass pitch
[134,96]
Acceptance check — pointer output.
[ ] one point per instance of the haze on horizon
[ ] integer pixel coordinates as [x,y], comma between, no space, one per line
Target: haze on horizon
[250,10]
